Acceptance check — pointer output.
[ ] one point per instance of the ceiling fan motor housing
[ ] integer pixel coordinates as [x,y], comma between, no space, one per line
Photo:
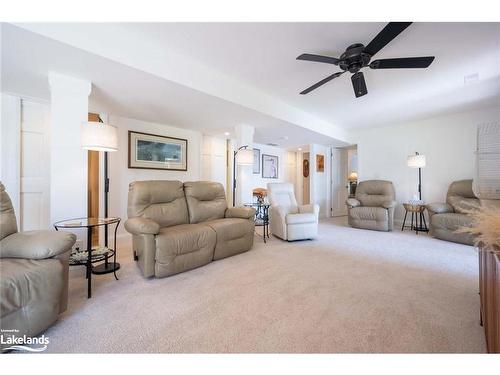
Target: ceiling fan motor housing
[353,59]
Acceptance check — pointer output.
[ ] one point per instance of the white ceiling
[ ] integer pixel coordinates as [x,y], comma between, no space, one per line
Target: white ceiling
[263,55]
[118,89]
[221,74]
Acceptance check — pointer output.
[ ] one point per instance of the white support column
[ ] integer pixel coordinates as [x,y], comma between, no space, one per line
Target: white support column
[244,137]
[68,161]
[10,146]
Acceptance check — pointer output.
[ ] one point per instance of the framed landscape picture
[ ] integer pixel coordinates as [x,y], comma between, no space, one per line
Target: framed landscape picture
[269,166]
[150,151]
[256,161]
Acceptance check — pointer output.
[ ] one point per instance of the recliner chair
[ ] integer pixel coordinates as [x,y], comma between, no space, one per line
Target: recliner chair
[373,207]
[446,218]
[288,220]
[33,274]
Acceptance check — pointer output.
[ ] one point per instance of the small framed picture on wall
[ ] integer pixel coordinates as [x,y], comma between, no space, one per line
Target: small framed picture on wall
[256,161]
[320,163]
[269,166]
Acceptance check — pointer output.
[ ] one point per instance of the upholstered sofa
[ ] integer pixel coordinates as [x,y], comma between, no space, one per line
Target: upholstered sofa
[446,218]
[33,274]
[288,220]
[177,227]
[373,206]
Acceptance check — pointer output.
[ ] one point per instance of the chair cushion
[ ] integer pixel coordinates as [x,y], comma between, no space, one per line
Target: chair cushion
[25,283]
[234,236]
[300,218]
[374,193]
[8,224]
[161,201]
[369,213]
[205,201]
[450,221]
[463,205]
[183,247]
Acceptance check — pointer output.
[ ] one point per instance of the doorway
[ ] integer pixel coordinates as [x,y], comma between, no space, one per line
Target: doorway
[344,164]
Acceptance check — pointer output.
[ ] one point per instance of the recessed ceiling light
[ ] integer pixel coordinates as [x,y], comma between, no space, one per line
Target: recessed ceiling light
[226,133]
[300,149]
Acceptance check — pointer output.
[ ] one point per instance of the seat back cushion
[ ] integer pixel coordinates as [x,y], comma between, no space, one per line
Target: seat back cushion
[281,194]
[8,223]
[205,201]
[461,197]
[161,201]
[374,193]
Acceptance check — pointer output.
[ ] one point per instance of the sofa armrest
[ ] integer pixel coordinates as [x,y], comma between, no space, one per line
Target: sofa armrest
[389,204]
[439,208]
[36,244]
[240,212]
[141,225]
[309,209]
[353,202]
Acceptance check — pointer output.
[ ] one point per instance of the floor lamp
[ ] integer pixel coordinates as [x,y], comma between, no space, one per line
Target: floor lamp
[417,161]
[98,136]
[242,156]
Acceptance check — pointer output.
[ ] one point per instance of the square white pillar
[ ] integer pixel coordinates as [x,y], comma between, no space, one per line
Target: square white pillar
[68,161]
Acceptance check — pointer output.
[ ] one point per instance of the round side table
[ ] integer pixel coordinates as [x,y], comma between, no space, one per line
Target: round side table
[93,255]
[418,223]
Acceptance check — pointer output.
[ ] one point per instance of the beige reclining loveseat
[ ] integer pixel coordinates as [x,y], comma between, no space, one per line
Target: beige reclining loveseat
[177,227]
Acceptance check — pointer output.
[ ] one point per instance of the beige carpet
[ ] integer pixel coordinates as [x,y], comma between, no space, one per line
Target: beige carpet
[349,291]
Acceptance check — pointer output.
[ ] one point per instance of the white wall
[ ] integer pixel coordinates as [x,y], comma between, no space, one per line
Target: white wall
[213,160]
[256,180]
[448,142]
[121,176]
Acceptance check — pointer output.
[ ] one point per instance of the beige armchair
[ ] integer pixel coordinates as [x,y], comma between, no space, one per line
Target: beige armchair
[446,218]
[33,274]
[288,220]
[176,227]
[373,207]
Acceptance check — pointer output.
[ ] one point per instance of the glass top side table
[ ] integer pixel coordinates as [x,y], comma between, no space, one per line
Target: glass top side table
[93,255]
[261,218]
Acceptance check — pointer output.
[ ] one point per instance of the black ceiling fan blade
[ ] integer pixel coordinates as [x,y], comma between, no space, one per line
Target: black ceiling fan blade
[359,84]
[403,63]
[320,83]
[318,58]
[388,33]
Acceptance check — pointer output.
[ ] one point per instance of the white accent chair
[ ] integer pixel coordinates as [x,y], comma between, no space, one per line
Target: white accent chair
[288,220]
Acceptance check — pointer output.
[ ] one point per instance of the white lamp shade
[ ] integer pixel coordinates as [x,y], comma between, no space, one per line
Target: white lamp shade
[416,161]
[244,157]
[353,176]
[98,136]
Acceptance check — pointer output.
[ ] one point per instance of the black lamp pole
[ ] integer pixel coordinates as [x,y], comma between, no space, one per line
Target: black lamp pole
[419,180]
[234,172]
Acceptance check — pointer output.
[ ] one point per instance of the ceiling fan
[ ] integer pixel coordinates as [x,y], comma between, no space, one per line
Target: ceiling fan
[357,56]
